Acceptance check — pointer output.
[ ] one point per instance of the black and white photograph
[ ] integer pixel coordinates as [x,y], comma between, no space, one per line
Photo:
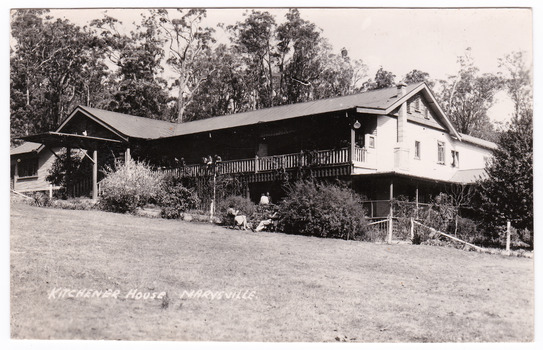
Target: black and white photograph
[271,174]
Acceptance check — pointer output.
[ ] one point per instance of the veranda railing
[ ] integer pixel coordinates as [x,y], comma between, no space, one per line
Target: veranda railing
[268,163]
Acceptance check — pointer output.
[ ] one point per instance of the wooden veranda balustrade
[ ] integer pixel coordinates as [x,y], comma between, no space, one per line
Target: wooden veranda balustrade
[360,155]
[270,163]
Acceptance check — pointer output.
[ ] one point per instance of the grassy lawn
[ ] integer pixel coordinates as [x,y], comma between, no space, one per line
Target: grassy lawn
[296,288]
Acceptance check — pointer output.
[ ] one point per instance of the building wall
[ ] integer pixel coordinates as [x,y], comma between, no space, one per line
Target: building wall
[38,182]
[469,156]
[385,143]
[472,156]
[427,166]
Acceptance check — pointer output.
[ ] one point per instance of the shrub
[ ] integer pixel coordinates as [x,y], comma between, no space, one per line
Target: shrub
[243,204]
[174,198]
[40,199]
[73,204]
[322,210]
[65,173]
[129,186]
[468,230]
[373,234]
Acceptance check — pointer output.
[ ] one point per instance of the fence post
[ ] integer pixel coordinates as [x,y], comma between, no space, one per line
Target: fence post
[389,238]
[412,230]
[50,191]
[211,210]
[508,241]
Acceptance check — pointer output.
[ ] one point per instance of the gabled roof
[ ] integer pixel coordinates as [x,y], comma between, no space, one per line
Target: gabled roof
[432,101]
[146,128]
[27,147]
[383,101]
[375,100]
[125,124]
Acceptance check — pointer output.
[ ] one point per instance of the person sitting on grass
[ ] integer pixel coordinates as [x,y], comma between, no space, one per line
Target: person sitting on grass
[266,223]
[235,219]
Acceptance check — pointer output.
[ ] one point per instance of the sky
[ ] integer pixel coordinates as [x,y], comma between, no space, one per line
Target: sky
[399,40]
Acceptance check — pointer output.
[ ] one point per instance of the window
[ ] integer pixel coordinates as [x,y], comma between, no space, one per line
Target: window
[455,159]
[441,152]
[417,149]
[426,113]
[27,167]
[371,141]
[417,105]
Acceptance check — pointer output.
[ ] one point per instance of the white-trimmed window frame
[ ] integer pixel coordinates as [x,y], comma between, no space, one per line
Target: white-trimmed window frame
[417,150]
[441,153]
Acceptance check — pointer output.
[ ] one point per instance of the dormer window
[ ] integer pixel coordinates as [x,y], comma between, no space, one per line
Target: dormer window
[426,113]
[417,105]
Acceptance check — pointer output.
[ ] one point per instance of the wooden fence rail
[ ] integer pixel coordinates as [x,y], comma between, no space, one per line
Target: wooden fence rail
[413,222]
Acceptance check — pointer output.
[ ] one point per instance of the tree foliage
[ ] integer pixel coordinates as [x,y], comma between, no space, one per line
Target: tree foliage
[55,65]
[299,47]
[253,39]
[418,76]
[383,79]
[507,193]
[517,78]
[188,51]
[137,87]
[467,96]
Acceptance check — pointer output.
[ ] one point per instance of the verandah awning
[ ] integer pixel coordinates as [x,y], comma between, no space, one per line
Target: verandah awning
[56,139]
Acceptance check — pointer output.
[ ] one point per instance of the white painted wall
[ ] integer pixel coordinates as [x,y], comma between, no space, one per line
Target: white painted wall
[470,156]
[385,143]
[427,165]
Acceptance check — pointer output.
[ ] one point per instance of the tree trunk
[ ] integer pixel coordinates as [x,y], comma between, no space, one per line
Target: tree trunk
[180,103]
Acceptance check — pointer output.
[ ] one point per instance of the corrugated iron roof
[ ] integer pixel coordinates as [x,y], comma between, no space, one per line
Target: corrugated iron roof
[26,147]
[375,99]
[469,176]
[147,128]
[479,142]
[132,126]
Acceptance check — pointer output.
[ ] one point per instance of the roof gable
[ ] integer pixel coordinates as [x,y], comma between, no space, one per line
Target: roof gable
[432,103]
[383,101]
[81,123]
[124,125]
[419,111]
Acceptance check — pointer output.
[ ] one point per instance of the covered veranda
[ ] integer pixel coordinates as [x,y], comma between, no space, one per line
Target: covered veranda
[91,146]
